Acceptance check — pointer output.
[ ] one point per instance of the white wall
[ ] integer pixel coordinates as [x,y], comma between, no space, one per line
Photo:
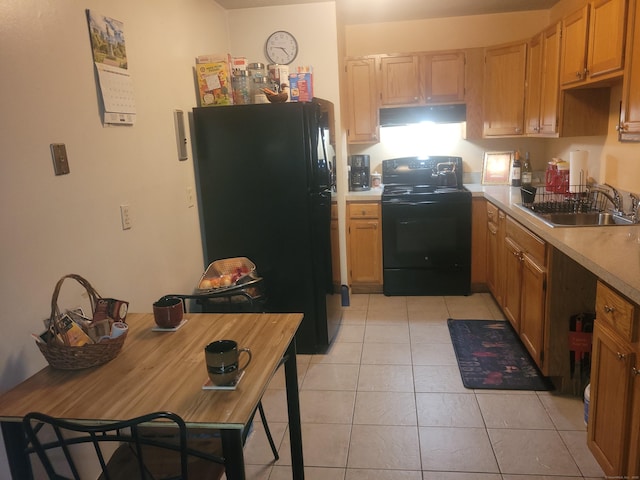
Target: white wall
[54,225]
[313,25]
[434,34]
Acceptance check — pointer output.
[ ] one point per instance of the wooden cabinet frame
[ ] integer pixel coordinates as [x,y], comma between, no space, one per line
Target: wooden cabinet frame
[362,101]
[593,43]
[542,89]
[629,128]
[364,247]
[504,81]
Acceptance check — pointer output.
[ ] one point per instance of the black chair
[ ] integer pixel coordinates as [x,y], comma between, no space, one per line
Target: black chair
[149,447]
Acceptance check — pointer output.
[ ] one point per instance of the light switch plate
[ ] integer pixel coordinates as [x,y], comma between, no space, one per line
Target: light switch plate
[125,217]
[60,161]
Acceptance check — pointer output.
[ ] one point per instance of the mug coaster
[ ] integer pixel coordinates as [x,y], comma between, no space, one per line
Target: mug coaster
[171,329]
[208,385]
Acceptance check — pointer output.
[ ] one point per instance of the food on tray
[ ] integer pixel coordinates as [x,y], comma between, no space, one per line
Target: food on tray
[225,280]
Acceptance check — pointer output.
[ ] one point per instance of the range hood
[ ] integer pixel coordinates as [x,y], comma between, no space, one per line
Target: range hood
[393,117]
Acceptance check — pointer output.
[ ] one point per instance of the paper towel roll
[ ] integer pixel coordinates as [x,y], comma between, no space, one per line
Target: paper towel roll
[578,163]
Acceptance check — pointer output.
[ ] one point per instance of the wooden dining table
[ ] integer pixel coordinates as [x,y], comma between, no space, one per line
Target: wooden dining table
[165,371]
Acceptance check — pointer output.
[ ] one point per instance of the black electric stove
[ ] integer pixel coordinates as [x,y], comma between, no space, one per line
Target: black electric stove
[426,227]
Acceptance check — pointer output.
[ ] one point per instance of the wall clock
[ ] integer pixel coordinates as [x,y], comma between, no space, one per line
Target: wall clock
[281,47]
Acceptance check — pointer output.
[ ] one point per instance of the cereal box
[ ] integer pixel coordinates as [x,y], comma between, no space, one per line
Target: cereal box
[214,83]
[301,87]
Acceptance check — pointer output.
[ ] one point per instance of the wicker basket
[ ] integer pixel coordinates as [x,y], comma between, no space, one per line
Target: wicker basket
[67,357]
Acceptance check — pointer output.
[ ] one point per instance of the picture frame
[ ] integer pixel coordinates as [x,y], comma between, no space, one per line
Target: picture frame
[496,168]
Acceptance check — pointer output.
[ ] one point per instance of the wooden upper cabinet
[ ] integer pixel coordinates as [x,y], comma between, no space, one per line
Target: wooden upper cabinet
[533,86]
[630,110]
[541,105]
[400,83]
[593,43]
[422,79]
[504,81]
[551,39]
[362,100]
[607,34]
[443,77]
[575,29]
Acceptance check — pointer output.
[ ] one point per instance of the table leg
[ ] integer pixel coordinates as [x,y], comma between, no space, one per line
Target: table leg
[293,407]
[232,453]
[15,444]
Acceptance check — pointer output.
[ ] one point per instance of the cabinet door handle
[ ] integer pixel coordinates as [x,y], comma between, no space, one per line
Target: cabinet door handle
[622,356]
[609,309]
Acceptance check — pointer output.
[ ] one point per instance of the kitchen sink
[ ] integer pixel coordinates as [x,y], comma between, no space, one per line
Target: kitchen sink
[578,219]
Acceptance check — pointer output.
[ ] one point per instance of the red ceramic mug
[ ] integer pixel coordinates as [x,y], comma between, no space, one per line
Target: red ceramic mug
[168,312]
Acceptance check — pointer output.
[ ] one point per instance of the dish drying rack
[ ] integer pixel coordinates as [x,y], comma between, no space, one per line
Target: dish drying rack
[578,199]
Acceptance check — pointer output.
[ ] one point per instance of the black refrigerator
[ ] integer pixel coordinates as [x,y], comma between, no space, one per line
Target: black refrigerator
[263,184]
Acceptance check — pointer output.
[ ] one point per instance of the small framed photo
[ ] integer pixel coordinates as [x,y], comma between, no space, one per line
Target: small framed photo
[497,168]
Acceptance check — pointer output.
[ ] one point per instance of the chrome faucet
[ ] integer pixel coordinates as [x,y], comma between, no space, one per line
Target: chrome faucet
[634,207]
[616,200]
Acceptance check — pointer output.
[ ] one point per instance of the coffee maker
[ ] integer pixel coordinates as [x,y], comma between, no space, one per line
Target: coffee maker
[359,174]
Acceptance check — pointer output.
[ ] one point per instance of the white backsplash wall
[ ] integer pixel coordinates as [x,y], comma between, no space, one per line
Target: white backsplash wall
[610,161]
[442,139]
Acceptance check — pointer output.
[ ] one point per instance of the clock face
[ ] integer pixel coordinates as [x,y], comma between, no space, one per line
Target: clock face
[281,48]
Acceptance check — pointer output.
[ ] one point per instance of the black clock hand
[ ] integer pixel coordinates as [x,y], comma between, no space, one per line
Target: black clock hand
[282,48]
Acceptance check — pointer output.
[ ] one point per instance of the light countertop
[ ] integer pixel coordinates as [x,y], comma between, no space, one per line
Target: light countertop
[612,253]
[365,196]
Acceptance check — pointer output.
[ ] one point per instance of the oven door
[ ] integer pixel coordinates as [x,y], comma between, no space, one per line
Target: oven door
[427,245]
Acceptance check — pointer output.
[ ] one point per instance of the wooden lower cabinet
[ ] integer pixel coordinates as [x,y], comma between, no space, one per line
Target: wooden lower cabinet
[496,220]
[513,282]
[364,247]
[335,249]
[478,244]
[634,427]
[532,308]
[612,432]
[525,294]
[517,270]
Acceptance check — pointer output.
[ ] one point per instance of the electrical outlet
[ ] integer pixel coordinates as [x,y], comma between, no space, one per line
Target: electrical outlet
[60,161]
[125,216]
[190,199]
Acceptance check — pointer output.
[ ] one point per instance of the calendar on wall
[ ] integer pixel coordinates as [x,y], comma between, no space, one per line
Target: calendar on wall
[110,58]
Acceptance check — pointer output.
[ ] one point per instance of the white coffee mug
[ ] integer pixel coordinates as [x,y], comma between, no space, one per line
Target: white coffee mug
[118,328]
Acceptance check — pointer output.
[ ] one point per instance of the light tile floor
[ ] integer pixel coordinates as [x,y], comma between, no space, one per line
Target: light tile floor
[386,403]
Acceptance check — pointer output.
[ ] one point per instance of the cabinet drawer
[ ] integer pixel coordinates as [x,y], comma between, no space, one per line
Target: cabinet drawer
[616,310]
[364,210]
[528,242]
[492,213]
